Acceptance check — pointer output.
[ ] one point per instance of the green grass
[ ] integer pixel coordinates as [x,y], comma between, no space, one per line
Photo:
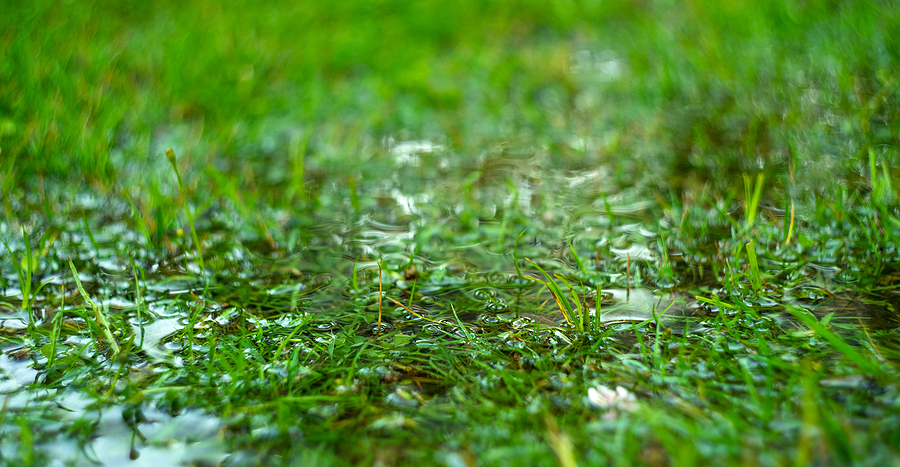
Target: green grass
[706,194]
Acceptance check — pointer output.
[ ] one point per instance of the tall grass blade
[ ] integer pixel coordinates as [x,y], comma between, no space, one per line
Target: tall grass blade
[579,309]
[101,320]
[561,301]
[753,193]
[867,364]
[297,153]
[516,255]
[577,258]
[755,278]
[27,273]
[170,154]
[469,336]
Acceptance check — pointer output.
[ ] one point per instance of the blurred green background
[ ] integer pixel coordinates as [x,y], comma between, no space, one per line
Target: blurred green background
[695,90]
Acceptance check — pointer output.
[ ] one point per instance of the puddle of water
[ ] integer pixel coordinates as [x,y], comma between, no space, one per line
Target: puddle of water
[15,373]
[150,335]
[141,436]
[138,436]
[603,66]
[637,305]
[408,152]
[151,438]
[845,308]
[414,229]
[14,322]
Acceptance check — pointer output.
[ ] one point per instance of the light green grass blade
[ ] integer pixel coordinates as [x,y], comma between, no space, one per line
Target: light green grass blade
[101,320]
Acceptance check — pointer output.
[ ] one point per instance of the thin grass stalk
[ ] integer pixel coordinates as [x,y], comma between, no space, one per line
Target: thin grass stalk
[558,297]
[462,327]
[57,329]
[628,273]
[752,193]
[102,323]
[755,277]
[354,282]
[516,255]
[380,295]
[170,154]
[579,307]
[850,352]
[411,310]
[27,272]
[790,229]
[138,299]
[298,155]
[577,258]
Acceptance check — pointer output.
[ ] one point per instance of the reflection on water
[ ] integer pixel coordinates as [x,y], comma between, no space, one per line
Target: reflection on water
[15,372]
[409,152]
[145,436]
[132,435]
[151,335]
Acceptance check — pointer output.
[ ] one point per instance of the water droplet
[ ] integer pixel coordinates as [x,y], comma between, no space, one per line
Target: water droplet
[520,282]
[489,320]
[375,328]
[416,317]
[427,300]
[403,397]
[522,322]
[484,294]
[326,326]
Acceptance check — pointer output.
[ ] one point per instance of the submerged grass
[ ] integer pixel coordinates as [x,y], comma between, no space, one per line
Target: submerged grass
[707,191]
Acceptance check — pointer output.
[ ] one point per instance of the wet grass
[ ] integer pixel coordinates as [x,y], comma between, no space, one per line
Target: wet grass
[477,233]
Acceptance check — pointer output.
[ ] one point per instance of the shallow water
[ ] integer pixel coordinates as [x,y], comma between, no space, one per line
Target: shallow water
[438,237]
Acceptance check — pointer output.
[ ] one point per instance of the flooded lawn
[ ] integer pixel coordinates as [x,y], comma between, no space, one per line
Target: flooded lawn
[471,236]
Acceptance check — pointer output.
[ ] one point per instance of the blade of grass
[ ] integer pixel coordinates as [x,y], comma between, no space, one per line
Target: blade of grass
[101,320]
[412,292]
[354,282]
[54,337]
[807,318]
[462,327]
[560,443]
[561,302]
[411,311]
[137,294]
[170,154]
[752,199]
[297,155]
[579,307]
[380,295]
[577,258]
[28,270]
[516,255]
[716,302]
[755,278]
[297,328]
[789,231]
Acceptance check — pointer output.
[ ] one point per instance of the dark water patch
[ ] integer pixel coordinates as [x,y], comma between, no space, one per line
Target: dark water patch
[853,308]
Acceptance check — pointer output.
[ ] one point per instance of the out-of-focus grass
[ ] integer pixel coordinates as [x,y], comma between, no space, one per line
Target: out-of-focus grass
[100,90]
[81,81]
